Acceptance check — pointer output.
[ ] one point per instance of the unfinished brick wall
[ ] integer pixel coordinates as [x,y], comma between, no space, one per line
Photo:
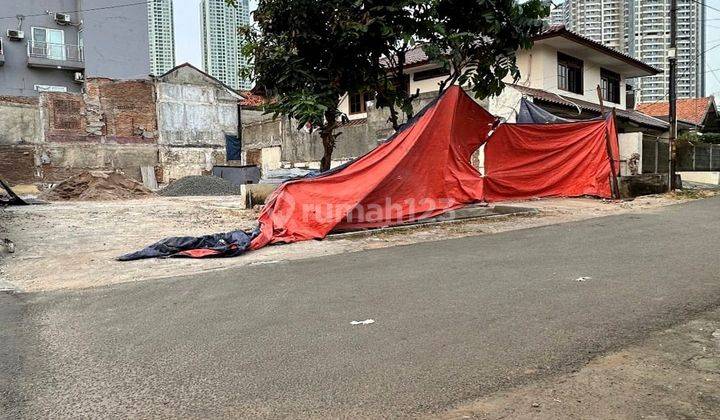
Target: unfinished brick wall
[108,112]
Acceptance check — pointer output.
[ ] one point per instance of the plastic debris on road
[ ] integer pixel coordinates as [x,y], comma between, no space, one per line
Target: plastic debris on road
[583,278]
[365,322]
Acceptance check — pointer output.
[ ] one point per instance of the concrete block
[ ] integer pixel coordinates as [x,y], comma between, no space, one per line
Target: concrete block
[702,177]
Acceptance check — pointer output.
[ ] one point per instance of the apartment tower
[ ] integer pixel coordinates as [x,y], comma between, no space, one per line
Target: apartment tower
[221,44]
[161,33]
[641,28]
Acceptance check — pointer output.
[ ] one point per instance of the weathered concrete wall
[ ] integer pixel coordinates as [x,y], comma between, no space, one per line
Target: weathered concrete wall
[111,126]
[19,121]
[302,148]
[194,113]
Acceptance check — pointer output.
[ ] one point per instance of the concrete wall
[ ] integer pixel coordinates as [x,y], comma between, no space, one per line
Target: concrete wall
[48,139]
[302,148]
[194,114]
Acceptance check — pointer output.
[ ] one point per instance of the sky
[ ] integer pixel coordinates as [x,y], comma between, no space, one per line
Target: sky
[187,38]
[187,31]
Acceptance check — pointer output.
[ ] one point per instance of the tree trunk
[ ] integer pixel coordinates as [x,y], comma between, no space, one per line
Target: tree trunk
[328,140]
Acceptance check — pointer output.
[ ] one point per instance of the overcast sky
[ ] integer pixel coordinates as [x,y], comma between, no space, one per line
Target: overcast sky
[187,31]
[187,38]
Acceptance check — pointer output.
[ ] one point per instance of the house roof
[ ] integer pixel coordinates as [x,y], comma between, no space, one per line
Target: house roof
[212,78]
[628,114]
[560,31]
[252,100]
[691,110]
[417,57]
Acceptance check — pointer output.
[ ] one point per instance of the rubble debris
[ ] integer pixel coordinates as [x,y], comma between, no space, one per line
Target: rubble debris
[200,185]
[583,278]
[97,185]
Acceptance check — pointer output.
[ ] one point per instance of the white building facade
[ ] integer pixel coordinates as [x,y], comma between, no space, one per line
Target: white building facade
[641,28]
[221,44]
[161,32]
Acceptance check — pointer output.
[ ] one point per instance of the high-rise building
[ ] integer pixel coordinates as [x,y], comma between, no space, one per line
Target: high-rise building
[601,20]
[221,44]
[641,28]
[161,35]
[557,13]
[649,37]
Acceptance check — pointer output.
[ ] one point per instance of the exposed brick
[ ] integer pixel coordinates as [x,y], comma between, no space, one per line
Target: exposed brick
[17,164]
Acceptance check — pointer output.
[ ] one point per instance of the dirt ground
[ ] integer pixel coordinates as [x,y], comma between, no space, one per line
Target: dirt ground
[67,245]
[674,374]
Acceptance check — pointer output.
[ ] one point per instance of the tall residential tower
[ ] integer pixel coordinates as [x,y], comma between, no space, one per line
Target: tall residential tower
[161,33]
[221,43]
[641,28]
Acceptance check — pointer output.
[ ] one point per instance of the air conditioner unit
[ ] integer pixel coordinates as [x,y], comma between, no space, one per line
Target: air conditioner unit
[62,18]
[79,77]
[15,35]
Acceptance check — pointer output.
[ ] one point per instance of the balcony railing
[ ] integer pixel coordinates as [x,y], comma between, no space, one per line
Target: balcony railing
[51,55]
[50,51]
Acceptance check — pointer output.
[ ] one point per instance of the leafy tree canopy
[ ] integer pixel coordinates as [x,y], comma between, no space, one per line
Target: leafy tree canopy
[307,54]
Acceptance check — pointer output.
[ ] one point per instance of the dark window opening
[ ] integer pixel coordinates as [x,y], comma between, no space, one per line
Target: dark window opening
[570,73]
[358,102]
[610,85]
[431,74]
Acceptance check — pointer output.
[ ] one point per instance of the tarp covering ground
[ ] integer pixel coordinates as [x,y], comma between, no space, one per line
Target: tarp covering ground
[425,170]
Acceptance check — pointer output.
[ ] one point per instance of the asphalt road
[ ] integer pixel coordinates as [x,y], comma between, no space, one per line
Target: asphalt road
[455,320]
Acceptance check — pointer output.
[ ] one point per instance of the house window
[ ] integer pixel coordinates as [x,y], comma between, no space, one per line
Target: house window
[358,103]
[431,74]
[610,85]
[570,73]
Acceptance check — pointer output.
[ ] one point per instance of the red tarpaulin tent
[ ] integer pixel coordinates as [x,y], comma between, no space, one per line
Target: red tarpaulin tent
[551,160]
[424,170]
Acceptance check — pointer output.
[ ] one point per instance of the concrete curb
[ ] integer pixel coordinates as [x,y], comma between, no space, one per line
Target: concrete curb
[497,212]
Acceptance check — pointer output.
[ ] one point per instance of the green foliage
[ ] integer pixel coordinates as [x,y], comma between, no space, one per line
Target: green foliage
[307,54]
[713,138]
[479,39]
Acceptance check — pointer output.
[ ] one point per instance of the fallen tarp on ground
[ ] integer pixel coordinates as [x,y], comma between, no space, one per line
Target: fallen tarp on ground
[424,170]
[230,244]
[551,160]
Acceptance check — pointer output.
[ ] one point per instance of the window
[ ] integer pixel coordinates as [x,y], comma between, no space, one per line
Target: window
[358,102]
[610,85]
[570,73]
[430,74]
[48,43]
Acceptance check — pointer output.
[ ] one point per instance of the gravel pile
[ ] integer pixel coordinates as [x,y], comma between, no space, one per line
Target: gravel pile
[199,185]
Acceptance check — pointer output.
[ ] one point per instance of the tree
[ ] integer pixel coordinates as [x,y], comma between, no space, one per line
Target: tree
[307,54]
[478,40]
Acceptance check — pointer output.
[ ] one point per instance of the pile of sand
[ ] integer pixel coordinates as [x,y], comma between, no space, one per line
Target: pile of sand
[97,185]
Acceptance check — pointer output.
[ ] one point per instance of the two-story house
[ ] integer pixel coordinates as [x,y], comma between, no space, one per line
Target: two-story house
[52,45]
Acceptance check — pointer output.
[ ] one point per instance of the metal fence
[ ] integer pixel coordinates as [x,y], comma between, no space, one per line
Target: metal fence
[699,157]
[654,155]
[61,52]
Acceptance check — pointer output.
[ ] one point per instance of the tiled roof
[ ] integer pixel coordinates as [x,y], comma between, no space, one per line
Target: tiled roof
[692,110]
[352,123]
[251,100]
[628,114]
